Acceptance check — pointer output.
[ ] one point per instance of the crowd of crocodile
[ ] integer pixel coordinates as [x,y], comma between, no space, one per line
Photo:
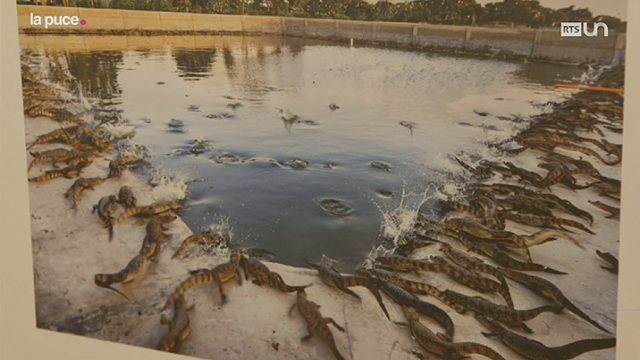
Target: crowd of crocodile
[475,223]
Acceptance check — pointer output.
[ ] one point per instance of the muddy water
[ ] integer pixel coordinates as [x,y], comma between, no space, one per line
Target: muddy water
[248,123]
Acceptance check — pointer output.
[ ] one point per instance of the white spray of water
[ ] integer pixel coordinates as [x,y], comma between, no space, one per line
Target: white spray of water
[400,218]
[168,187]
[120,131]
[223,231]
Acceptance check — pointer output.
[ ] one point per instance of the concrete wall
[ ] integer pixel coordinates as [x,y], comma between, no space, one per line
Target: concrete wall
[529,43]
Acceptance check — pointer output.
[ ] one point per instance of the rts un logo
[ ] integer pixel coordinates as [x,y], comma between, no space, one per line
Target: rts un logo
[577,29]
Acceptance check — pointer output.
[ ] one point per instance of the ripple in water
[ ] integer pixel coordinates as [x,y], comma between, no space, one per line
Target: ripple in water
[260,254]
[336,207]
[220,115]
[227,158]
[297,164]
[176,125]
[381,165]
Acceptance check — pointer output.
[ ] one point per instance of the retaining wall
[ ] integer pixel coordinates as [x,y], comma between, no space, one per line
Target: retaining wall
[527,43]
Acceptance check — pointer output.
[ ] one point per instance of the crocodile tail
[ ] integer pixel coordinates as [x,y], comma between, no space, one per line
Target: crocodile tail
[574,309]
[580,347]
[105,281]
[197,278]
[474,348]
[109,226]
[554,271]
[504,292]
[190,239]
[127,213]
[334,349]
[32,163]
[556,309]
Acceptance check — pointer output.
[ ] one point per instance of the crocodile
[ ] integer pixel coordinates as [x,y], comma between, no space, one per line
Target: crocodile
[62,134]
[615,129]
[316,323]
[105,207]
[414,287]
[526,203]
[548,290]
[156,231]
[559,172]
[478,230]
[470,279]
[203,238]
[462,207]
[86,157]
[65,116]
[545,235]
[608,190]
[276,282]
[117,165]
[448,350]
[156,208]
[584,167]
[533,220]
[52,152]
[503,259]
[479,171]
[54,156]
[75,191]
[587,151]
[507,315]
[533,178]
[332,277]
[610,148]
[179,327]
[535,350]
[399,263]
[67,172]
[409,245]
[126,197]
[262,275]
[219,274]
[613,262]
[438,264]
[404,298]
[487,201]
[613,211]
[564,204]
[134,268]
[42,109]
[474,264]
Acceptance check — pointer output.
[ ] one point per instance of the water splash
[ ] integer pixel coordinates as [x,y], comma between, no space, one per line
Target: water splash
[222,229]
[400,218]
[119,131]
[168,187]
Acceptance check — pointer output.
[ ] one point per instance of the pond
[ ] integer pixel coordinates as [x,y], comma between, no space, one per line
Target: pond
[307,147]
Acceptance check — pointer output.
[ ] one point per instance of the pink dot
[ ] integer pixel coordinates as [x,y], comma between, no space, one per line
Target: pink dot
[83,22]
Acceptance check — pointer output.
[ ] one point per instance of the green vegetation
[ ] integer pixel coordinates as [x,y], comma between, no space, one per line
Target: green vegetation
[512,13]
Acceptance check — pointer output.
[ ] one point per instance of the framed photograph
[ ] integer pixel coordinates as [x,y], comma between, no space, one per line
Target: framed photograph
[319,179]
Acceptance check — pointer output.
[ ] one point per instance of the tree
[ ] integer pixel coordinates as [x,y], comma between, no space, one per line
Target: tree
[570,14]
[613,23]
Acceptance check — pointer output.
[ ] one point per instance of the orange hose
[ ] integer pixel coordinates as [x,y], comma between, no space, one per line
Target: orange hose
[594,88]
